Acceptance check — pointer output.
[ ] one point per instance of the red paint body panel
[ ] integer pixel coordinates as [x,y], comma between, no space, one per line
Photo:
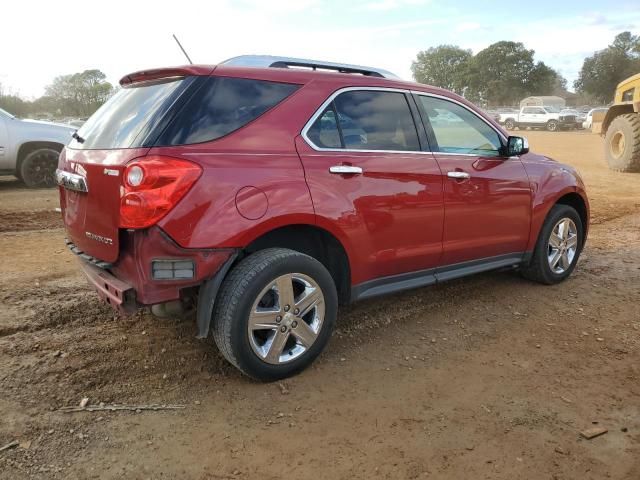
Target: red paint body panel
[139,248]
[488,214]
[110,289]
[96,212]
[158,73]
[392,214]
[403,214]
[550,180]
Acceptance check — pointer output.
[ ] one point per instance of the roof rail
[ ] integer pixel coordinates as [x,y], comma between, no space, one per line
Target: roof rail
[266,61]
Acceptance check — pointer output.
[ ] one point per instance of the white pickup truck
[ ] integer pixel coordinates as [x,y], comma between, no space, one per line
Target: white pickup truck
[545,117]
[29,149]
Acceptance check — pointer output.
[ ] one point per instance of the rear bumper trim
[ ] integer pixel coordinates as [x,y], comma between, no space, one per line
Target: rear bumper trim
[87,258]
[120,295]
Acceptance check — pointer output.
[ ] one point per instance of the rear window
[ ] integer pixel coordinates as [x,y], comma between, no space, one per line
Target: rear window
[222,105]
[128,118]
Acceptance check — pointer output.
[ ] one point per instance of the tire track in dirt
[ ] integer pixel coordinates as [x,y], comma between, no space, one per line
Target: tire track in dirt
[29,221]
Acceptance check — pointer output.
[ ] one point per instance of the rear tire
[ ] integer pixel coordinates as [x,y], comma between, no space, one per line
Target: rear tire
[38,168]
[510,124]
[622,143]
[263,323]
[549,265]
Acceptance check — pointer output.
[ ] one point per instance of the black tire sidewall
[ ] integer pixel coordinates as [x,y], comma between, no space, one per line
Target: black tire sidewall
[550,123]
[24,164]
[624,163]
[557,212]
[247,360]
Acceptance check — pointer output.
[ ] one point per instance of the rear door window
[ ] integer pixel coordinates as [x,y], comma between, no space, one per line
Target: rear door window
[324,132]
[376,120]
[222,105]
[366,120]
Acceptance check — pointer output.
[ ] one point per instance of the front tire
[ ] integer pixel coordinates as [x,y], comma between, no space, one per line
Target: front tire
[38,168]
[552,125]
[275,313]
[510,124]
[558,247]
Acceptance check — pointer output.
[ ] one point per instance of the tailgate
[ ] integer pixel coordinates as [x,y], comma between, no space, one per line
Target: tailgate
[90,183]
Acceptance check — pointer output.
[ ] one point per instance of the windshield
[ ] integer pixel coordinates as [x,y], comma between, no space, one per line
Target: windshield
[4,112]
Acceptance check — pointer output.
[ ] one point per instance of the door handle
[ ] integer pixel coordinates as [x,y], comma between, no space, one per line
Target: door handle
[345,169]
[458,175]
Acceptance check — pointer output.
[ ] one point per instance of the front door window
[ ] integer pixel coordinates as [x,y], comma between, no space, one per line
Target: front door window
[457,130]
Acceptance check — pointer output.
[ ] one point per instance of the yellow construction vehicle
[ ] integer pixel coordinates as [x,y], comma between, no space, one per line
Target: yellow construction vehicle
[621,127]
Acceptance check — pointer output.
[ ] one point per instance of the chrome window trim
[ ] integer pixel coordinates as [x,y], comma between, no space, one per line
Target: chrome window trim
[442,97]
[331,98]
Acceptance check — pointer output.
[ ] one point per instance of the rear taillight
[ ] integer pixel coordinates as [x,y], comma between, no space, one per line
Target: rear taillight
[152,186]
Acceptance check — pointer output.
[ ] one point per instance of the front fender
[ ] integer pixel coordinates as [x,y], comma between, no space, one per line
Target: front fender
[550,181]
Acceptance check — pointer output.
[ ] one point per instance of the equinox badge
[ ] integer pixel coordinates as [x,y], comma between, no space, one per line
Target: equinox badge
[99,238]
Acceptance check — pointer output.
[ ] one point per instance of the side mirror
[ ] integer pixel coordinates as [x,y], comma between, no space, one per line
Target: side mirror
[517,146]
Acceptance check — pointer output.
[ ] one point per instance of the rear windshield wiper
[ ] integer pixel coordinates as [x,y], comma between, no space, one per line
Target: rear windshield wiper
[78,138]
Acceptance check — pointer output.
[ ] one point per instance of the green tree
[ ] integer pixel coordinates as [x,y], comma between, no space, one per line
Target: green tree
[443,66]
[79,93]
[505,72]
[14,105]
[601,72]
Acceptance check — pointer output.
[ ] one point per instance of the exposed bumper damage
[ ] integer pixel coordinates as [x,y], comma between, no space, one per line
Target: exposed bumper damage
[130,282]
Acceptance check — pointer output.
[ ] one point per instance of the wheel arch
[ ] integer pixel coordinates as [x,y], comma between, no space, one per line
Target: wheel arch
[614,112]
[571,195]
[575,200]
[315,242]
[27,147]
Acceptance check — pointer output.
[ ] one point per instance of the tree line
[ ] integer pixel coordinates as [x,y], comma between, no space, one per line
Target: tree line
[74,95]
[505,72]
[501,74]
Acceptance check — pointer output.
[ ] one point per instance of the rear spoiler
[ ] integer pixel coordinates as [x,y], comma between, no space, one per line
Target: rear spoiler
[170,72]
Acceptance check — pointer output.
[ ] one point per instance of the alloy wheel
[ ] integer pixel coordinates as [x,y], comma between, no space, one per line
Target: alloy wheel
[562,245]
[286,318]
[40,168]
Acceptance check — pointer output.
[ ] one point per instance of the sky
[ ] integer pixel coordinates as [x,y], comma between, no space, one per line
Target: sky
[42,39]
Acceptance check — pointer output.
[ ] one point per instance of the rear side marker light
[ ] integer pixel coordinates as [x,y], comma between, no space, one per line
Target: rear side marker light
[172,269]
[152,186]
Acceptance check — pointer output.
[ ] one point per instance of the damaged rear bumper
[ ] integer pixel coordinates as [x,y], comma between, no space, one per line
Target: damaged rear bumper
[120,295]
[149,270]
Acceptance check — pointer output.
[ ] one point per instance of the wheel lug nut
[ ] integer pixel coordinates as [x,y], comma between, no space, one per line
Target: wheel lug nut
[286,308]
[294,324]
[278,319]
[296,311]
[283,329]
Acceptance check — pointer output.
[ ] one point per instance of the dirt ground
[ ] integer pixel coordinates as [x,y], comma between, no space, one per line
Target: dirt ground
[489,377]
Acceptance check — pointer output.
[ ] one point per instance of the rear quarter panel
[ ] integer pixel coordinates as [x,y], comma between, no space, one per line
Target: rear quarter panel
[256,170]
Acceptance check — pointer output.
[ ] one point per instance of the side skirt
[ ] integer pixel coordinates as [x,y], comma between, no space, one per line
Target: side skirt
[422,278]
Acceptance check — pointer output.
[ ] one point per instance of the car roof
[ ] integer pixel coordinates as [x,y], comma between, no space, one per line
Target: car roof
[330,80]
[278,74]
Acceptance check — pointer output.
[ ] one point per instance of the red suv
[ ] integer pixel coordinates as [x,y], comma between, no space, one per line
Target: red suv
[264,191]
